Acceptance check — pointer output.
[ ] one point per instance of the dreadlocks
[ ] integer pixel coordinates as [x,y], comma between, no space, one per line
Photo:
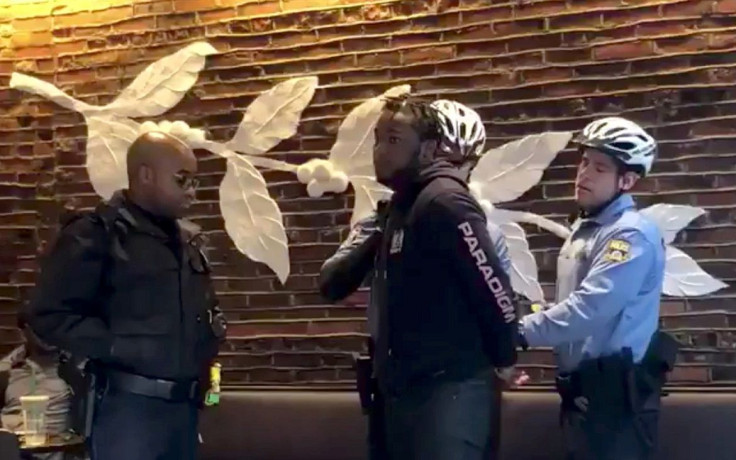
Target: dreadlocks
[425,118]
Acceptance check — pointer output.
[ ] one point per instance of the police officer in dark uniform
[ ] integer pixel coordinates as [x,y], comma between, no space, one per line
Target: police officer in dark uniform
[128,287]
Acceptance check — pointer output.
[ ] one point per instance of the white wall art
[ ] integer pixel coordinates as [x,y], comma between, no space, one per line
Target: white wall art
[504,174]
[253,219]
[683,276]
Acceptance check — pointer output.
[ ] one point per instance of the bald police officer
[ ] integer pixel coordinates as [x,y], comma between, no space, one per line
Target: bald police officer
[603,326]
[129,287]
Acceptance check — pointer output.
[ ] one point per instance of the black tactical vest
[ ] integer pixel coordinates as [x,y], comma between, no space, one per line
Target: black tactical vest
[156,294]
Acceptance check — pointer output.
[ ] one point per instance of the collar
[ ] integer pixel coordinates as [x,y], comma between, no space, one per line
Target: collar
[405,197]
[611,212]
[141,220]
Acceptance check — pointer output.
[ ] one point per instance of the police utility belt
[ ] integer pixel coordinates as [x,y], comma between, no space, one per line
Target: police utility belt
[154,388]
[613,385]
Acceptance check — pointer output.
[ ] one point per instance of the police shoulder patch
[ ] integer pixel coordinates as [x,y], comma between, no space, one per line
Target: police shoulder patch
[617,250]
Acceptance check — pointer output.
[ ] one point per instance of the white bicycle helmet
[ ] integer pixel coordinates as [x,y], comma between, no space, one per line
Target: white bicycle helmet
[622,139]
[462,129]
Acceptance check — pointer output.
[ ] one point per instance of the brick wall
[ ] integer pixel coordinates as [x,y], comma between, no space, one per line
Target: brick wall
[527,66]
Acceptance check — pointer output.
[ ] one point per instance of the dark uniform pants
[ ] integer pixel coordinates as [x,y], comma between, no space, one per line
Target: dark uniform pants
[129,426]
[635,438]
[447,421]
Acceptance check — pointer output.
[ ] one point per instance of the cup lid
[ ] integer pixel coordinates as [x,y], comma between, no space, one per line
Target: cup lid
[34,398]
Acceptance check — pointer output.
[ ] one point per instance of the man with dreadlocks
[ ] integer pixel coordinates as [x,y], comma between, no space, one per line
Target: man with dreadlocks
[446,317]
[445,314]
[462,140]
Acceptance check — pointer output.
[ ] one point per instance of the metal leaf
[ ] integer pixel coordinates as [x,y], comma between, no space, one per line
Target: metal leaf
[252,218]
[506,173]
[108,140]
[671,218]
[164,83]
[368,193]
[273,116]
[524,271]
[33,85]
[684,278]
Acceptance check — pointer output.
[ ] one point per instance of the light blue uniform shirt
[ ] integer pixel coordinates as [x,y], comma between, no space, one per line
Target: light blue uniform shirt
[609,283]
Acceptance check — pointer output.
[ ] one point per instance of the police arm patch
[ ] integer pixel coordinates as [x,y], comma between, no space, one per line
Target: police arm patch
[617,251]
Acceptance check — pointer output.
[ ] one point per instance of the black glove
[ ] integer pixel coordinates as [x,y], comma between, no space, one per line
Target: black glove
[218,323]
[381,215]
[522,339]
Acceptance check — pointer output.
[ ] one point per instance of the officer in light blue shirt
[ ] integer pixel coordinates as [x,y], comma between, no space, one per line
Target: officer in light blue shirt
[610,273]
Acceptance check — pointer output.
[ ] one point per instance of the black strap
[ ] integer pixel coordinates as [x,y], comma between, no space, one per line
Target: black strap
[154,388]
[4,381]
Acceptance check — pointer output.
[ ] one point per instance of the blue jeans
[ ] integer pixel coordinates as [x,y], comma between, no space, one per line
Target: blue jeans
[129,426]
[446,421]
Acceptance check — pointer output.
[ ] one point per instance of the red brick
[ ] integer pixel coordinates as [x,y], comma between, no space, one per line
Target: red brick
[547,74]
[206,17]
[725,6]
[623,50]
[519,27]
[156,7]
[722,40]
[256,9]
[169,21]
[135,25]
[32,24]
[535,9]
[100,17]
[484,13]
[689,8]
[682,44]
[34,53]
[588,20]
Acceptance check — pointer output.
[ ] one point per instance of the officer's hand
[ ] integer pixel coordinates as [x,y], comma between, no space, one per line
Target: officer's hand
[511,377]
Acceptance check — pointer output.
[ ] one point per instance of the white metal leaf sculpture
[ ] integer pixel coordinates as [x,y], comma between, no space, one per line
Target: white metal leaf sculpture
[683,276]
[108,139]
[110,132]
[252,218]
[162,84]
[523,264]
[273,116]
[672,218]
[351,158]
[504,174]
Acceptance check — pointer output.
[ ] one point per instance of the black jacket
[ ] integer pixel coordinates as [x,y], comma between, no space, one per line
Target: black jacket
[445,304]
[130,291]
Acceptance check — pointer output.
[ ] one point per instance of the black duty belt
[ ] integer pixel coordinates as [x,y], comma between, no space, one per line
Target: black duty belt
[154,388]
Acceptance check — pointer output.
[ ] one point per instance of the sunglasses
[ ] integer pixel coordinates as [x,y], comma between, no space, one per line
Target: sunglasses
[186,182]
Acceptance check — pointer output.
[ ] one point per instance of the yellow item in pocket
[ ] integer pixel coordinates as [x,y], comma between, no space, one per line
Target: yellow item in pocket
[213,394]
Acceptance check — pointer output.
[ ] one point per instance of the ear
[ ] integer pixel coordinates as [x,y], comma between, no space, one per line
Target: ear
[628,180]
[428,151]
[145,174]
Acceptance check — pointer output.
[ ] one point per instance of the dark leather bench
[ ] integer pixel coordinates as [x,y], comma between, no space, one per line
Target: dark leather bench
[327,425]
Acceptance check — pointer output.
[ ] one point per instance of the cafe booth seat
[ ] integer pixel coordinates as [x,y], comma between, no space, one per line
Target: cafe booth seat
[328,425]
